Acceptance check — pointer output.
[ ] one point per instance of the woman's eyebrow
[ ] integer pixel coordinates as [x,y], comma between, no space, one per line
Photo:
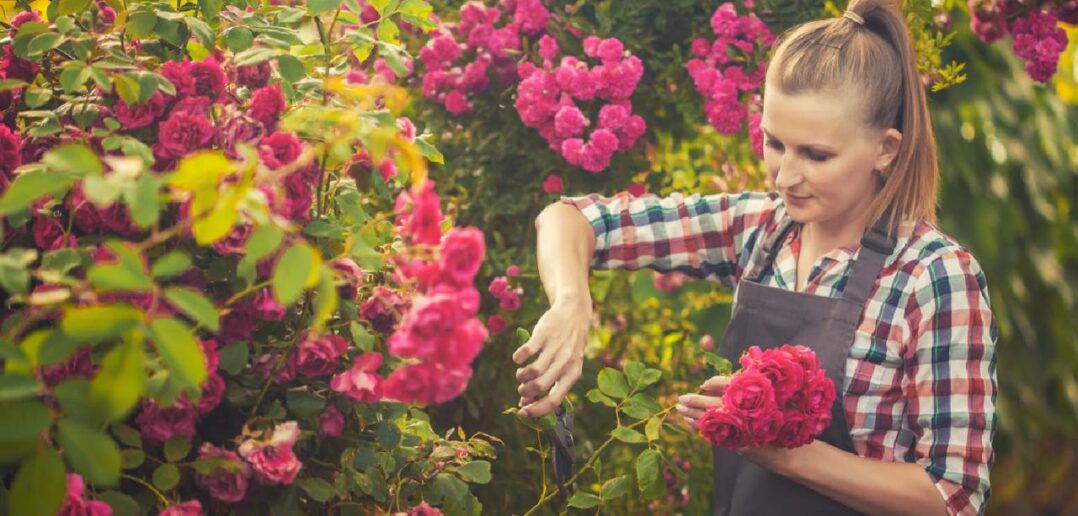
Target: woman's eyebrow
[812,146]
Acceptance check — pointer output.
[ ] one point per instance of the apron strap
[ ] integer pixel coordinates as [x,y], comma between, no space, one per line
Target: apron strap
[876,246]
[769,249]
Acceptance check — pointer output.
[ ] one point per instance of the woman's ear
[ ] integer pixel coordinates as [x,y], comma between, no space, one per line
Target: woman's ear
[889,144]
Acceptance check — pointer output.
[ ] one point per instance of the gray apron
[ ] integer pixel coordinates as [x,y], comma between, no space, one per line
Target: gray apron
[769,317]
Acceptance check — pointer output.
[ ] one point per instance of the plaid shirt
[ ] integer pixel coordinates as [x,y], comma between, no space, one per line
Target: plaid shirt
[921,373]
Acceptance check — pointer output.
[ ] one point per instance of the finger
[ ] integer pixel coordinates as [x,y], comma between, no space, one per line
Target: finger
[524,401]
[690,412]
[538,367]
[546,380]
[716,384]
[554,399]
[699,401]
[691,422]
[528,349]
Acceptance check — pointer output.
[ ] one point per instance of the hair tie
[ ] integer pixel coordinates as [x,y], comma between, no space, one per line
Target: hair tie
[855,17]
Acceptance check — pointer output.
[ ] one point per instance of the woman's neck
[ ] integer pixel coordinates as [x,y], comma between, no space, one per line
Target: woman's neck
[819,238]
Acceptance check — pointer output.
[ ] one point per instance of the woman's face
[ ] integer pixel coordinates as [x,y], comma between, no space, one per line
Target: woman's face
[822,157]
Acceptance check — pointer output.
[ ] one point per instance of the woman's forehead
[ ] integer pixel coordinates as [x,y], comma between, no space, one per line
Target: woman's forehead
[827,118]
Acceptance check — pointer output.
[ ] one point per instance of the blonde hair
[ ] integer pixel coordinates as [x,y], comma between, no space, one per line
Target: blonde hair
[875,57]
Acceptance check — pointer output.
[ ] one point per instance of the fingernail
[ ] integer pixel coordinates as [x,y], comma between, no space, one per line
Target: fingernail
[683,398]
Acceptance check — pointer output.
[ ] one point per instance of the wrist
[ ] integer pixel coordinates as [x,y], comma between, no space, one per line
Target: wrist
[576,298]
[794,461]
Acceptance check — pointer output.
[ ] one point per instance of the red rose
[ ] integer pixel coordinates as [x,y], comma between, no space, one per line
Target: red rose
[254,76]
[318,355]
[264,306]
[785,372]
[78,365]
[10,150]
[266,106]
[750,395]
[764,428]
[235,127]
[13,67]
[209,78]
[139,115]
[49,234]
[279,149]
[193,105]
[381,309]
[298,198]
[462,254]
[816,397]
[804,356]
[351,277]
[223,484]
[723,428]
[161,424]
[797,430]
[496,324]
[184,132]
[213,391]
[177,73]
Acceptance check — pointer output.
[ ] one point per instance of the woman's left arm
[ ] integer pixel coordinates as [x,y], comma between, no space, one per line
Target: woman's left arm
[949,385]
[867,485]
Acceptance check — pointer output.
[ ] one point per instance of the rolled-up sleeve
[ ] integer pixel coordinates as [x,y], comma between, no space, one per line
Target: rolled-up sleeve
[700,235]
[950,384]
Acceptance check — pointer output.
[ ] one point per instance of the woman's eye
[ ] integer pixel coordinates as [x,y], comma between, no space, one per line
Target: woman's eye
[774,145]
[817,157]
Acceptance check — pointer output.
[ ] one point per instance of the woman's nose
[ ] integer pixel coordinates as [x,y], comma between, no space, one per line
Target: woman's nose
[788,174]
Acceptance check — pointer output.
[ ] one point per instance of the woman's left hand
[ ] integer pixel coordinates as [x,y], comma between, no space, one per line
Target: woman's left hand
[771,458]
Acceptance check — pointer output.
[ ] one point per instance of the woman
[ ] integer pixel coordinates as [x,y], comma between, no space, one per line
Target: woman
[843,258]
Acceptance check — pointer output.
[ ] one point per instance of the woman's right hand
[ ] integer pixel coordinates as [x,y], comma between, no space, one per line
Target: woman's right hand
[692,406]
[559,339]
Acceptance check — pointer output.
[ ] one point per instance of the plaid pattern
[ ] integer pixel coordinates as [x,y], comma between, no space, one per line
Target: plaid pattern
[921,372]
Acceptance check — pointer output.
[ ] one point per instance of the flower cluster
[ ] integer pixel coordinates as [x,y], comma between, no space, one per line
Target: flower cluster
[1039,40]
[76,505]
[507,296]
[461,57]
[547,100]
[718,72]
[781,397]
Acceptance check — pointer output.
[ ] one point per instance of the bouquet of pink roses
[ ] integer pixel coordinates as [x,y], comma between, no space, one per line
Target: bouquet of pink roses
[781,397]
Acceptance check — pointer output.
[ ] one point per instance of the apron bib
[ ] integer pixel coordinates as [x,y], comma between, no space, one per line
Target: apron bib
[769,317]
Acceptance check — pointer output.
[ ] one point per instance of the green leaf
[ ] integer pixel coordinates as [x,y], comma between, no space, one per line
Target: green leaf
[389,435]
[11,84]
[292,273]
[628,435]
[74,398]
[596,396]
[648,377]
[31,186]
[415,8]
[633,369]
[379,5]
[120,382]
[190,302]
[180,352]
[613,383]
[238,39]
[262,242]
[127,88]
[143,201]
[74,159]
[90,451]
[177,448]
[361,337]
[210,8]
[388,31]
[318,489]
[141,24]
[255,55]
[127,435]
[35,97]
[202,31]
[98,323]
[641,406]
[122,505]
[317,7]
[39,486]
[648,469]
[166,476]
[616,487]
[233,358]
[447,487]
[116,277]
[721,365]
[327,299]
[43,43]
[67,7]
[170,265]
[131,459]
[582,500]
[73,77]
[523,336]
[429,151]
[477,472]
[653,428]
[16,387]
[291,68]
[23,420]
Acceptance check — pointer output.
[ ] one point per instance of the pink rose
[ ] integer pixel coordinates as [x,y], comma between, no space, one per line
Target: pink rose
[78,365]
[139,115]
[10,150]
[223,484]
[50,234]
[318,355]
[424,510]
[161,424]
[235,242]
[381,309]
[513,271]
[213,390]
[298,197]
[430,320]
[235,127]
[750,395]
[237,326]
[723,428]
[510,301]
[177,73]
[264,306]
[764,428]
[496,324]
[331,421]
[15,68]
[816,397]
[279,149]
[351,277]
[194,105]
[407,128]
[462,254]
[419,214]
[188,508]
[553,184]
[426,384]
[274,462]
[362,382]
[76,505]
[184,132]
[804,356]
[797,430]
[266,106]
